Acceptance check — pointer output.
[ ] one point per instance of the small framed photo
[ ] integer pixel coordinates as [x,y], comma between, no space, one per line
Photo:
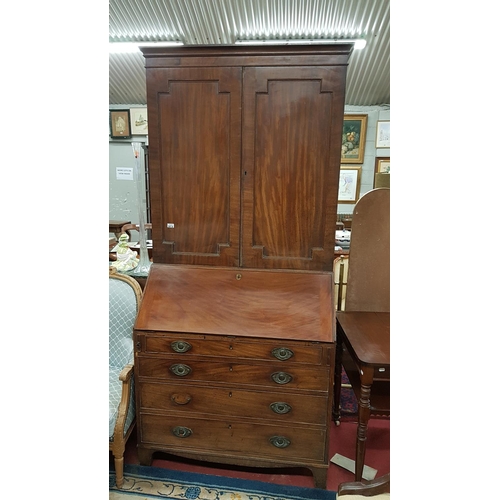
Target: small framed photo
[382,166]
[353,138]
[119,124]
[139,121]
[349,184]
[383,138]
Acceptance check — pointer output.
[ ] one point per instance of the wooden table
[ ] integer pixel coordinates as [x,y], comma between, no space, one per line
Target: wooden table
[115,226]
[363,347]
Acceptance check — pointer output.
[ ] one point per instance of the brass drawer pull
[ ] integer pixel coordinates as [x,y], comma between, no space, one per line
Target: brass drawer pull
[282,353]
[180,346]
[181,432]
[181,399]
[281,377]
[280,408]
[180,370]
[279,441]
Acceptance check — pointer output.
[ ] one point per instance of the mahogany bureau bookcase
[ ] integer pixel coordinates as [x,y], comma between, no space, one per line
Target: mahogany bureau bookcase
[235,337]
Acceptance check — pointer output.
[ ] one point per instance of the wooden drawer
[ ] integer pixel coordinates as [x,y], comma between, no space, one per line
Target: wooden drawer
[198,345]
[273,407]
[265,374]
[186,434]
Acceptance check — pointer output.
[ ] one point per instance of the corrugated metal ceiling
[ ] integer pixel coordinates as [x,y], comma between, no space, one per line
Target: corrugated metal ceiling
[225,21]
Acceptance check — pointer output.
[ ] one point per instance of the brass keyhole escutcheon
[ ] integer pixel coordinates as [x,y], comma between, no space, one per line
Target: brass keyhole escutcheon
[238,276]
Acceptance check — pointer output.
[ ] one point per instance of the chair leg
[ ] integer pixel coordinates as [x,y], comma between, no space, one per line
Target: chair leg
[119,471]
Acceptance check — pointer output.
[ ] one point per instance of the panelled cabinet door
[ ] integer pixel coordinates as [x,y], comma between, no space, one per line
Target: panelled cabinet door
[195,160]
[292,129]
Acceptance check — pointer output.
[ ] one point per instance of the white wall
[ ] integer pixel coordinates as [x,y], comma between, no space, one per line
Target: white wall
[123,194]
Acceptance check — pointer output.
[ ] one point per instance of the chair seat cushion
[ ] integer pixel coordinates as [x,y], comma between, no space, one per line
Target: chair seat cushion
[115,395]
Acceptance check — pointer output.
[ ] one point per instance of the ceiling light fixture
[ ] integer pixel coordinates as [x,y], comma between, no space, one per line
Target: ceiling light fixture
[130,47]
[359,43]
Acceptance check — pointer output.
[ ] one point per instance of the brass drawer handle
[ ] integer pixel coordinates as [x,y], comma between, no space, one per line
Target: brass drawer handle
[280,408]
[281,377]
[282,353]
[181,432]
[180,346]
[181,399]
[279,441]
[180,370]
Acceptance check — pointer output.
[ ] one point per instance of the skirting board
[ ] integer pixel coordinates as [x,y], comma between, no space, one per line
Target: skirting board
[346,463]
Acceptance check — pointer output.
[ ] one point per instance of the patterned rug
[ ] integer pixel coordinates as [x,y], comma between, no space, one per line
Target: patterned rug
[144,483]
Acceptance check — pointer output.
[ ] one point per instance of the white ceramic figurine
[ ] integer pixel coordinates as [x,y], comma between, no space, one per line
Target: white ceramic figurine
[126,259]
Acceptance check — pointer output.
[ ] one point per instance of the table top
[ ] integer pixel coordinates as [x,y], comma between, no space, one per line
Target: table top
[118,222]
[368,335]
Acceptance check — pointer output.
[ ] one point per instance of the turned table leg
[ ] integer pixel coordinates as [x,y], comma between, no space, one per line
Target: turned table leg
[363,417]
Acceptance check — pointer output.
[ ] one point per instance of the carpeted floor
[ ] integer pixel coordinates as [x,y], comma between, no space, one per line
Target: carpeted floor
[348,401]
[143,483]
[342,441]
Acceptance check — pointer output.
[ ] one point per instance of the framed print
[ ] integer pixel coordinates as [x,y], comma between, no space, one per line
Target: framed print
[383,137]
[139,121]
[382,165]
[353,138]
[119,123]
[349,184]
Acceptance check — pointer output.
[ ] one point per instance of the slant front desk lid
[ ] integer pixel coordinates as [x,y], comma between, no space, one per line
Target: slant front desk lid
[295,305]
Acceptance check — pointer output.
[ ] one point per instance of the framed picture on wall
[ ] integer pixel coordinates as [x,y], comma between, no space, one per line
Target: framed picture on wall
[383,137]
[382,166]
[349,184]
[119,124]
[139,121]
[353,138]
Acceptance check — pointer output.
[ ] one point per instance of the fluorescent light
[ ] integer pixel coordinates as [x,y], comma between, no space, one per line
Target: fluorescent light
[130,47]
[359,43]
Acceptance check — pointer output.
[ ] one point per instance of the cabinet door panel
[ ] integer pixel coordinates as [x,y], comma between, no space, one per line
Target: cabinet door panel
[292,119]
[195,164]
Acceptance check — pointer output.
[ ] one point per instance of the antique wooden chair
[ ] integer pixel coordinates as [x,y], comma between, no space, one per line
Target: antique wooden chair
[377,489]
[125,297]
[126,228]
[368,290]
[340,270]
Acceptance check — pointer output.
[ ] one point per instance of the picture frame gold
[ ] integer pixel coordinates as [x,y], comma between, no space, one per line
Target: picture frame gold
[349,184]
[119,124]
[382,166]
[353,138]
